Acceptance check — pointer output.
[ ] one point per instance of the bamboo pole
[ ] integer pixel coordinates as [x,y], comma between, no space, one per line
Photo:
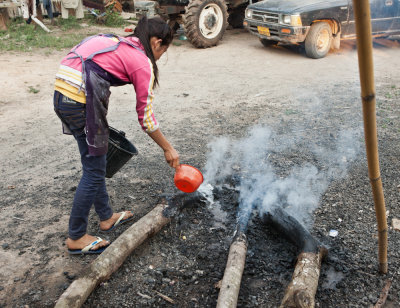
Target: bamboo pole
[112,258]
[365,62]
[230,287]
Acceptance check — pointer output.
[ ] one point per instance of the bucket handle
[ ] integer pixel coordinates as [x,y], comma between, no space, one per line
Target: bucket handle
[119,131]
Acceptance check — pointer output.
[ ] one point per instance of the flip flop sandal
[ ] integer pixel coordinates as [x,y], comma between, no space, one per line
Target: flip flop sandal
[120,221]
[88,249]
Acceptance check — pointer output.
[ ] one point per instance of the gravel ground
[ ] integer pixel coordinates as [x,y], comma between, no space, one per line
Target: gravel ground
[268,127]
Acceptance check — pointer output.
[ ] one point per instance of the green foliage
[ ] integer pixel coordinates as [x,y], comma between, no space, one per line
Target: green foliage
[109,18]
[113,19]
[33,90]
[21,36]
[70,23]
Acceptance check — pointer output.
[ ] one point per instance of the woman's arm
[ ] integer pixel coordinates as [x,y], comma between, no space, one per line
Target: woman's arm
[171,155]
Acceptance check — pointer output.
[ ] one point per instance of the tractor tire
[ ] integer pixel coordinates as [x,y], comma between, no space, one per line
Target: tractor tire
[173,24]
[205,22]
[319,40]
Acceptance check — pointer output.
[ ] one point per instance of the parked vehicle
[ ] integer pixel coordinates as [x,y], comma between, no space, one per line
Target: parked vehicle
[317,24]
[204,21]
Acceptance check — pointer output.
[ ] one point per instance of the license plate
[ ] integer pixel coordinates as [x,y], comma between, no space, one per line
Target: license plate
[263,31]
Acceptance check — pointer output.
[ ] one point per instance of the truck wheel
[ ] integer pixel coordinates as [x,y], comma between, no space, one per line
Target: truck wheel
[318,40]
[205,22]
[268,43]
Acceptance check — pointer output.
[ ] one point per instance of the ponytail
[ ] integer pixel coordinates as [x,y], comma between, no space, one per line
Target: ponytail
[153,27]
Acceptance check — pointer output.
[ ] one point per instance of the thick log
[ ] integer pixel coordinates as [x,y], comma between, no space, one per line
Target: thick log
[112,258]
[300,293]
[301,290]
[291,229]
[229,292]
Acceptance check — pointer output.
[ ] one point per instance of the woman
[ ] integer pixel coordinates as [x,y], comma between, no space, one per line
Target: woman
[81,100]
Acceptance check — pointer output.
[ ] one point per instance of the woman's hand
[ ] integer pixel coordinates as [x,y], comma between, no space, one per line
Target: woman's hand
[171,155]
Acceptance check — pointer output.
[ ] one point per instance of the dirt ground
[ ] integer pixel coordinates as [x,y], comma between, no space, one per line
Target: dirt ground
[267,126]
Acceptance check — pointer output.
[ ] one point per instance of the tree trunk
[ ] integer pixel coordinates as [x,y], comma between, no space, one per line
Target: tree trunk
[4,18]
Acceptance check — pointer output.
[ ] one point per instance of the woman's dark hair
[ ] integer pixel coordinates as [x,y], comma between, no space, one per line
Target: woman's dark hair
[147,28]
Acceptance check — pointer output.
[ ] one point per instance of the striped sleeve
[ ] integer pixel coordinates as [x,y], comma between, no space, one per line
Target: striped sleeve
[70,75]
[143,81]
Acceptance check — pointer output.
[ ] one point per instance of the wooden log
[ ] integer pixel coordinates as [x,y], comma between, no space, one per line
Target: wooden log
[300,293]
[112,258]
[229,292]
[301,290]
[291,229]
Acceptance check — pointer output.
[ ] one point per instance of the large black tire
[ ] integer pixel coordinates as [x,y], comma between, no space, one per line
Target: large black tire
[205,22]
[318,41]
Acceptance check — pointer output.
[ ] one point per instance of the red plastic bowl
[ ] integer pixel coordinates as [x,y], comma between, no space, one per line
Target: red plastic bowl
[187,178]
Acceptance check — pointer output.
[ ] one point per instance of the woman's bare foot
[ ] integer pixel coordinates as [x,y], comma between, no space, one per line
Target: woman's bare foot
[84,241]
[107,224]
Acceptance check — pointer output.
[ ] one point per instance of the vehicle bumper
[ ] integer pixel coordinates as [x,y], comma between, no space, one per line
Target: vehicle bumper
[281,33]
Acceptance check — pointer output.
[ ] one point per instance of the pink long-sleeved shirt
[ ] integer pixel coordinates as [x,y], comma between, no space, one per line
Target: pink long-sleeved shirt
[125,63]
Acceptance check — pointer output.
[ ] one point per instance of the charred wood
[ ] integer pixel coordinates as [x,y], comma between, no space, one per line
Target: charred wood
[300,292]
[292,230]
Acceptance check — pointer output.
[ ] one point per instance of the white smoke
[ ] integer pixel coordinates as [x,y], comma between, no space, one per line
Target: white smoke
[269,178]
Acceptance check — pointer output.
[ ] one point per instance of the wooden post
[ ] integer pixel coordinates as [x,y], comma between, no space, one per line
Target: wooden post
[229,292]
[365,62]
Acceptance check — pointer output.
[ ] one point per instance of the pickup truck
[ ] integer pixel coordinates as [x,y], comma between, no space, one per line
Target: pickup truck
[317,24]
